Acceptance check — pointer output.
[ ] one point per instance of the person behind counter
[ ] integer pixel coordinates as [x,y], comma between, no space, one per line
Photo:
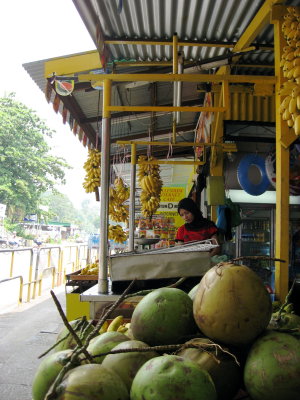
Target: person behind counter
[196,227]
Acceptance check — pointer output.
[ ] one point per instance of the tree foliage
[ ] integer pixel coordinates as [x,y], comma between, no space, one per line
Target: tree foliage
[27,168]
[61,209]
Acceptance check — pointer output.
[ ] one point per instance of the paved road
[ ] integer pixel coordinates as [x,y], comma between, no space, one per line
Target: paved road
[25,333]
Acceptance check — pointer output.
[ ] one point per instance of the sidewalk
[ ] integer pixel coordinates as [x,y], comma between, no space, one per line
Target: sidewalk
[25,333]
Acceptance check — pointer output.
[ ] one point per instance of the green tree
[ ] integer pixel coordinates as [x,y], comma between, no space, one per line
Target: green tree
[61,209]
[27,168]
[90,216]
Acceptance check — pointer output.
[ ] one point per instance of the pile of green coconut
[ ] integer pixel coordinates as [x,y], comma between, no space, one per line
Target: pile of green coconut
[222,340]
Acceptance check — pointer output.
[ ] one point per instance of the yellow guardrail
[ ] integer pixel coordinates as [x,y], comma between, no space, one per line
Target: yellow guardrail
[41,260]
[20,299]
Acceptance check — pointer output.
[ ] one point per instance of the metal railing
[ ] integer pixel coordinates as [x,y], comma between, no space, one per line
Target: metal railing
[37,262]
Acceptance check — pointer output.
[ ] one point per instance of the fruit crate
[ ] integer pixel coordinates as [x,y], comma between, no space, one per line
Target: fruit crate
[83,282]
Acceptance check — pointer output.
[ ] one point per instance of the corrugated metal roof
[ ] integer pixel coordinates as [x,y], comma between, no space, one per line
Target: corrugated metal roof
[197,21]
[193,20]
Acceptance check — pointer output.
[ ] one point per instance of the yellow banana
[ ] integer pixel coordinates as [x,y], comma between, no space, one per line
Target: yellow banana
[103,327]
[115,323]
[122,328]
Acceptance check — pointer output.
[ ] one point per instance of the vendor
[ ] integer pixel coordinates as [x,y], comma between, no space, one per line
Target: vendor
[196,227]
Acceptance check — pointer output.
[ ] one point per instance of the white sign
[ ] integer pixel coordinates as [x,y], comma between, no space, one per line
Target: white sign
[2,210]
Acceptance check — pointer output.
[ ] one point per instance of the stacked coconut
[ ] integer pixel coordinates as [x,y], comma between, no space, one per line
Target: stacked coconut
[214,343]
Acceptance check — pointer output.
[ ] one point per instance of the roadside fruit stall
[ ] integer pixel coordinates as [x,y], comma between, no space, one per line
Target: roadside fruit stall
[146,335]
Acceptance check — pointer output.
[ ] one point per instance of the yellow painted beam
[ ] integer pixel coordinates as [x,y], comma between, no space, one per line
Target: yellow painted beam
[177,78]
[282,168]
[227,147]
[143,63]
[173,162]
[165,108]
[216,161]
[72,64]
[106,98]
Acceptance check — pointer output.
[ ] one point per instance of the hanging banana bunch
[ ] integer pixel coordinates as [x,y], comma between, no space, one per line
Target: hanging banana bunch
[116,233]
[151,185]
[118,194]
[92,178]
[290,64]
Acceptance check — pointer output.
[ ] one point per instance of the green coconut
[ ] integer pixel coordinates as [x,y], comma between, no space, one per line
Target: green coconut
[223,368]
[232,305]
[105,343]
[172,377]
[272,369]
[81,327]
[126,365]
[284,321]
[163,316]
[193,291]
[47,372]
[91,382]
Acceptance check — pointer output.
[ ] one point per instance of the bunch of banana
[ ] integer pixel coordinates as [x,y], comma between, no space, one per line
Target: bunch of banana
[90,269]
[116,325]
[290,64]
[123,191]
[116,233]
[151,185]
[92,178]
[118,194]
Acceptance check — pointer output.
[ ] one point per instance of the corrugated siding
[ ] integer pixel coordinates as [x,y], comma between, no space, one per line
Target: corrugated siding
[247,107]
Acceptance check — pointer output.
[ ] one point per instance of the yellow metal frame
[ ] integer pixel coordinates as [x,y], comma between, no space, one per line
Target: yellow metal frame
[224,147]
[178,78]
[72,64]
[284,136]
[283,139]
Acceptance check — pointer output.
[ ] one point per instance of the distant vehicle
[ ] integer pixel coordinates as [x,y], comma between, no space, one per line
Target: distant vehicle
[3,243]
[38,242]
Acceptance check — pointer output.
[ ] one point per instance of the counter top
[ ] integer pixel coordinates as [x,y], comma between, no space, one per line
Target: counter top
[92,294]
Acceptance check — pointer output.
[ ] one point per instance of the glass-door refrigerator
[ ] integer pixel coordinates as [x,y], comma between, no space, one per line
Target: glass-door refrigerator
[255,236]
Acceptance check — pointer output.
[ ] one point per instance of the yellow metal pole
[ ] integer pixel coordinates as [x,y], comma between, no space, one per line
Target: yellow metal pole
[175,88]
[282,168]
[29,285]
[12,264]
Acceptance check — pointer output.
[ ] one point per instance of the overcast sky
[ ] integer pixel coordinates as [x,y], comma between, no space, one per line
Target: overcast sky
[32,30]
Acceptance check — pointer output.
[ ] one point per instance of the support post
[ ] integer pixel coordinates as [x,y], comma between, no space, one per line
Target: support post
[132,197]
[105,175]
[282,167]
[175,86]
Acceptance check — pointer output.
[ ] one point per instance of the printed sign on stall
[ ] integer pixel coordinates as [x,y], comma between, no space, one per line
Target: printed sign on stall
[169,199]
